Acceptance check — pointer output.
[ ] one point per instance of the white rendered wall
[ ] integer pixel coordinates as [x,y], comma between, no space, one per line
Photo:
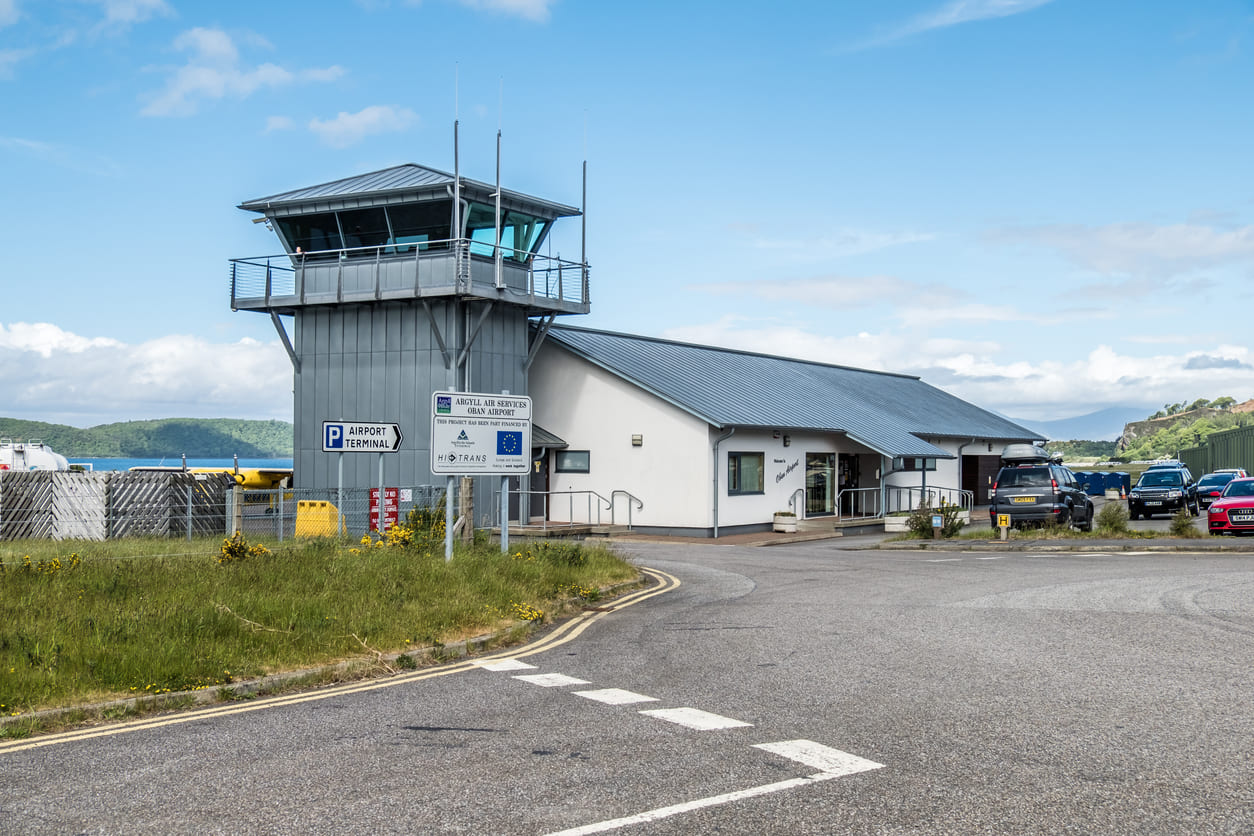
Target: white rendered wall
[593,410]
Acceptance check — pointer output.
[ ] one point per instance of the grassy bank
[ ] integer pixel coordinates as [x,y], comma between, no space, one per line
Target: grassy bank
[88,622]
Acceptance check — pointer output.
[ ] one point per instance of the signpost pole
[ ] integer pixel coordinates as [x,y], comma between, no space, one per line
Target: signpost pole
[448,520]
[504,514]
[382,505]
[339,497]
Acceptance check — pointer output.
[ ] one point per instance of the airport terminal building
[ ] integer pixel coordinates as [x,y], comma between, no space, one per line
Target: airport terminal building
[399,283]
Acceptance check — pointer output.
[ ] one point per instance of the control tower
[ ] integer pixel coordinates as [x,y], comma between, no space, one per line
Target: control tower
[399,283]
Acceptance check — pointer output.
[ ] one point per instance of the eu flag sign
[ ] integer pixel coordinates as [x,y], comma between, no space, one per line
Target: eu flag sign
[508,443]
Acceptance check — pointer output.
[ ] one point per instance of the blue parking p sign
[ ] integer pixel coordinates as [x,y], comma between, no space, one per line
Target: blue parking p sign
[333,438]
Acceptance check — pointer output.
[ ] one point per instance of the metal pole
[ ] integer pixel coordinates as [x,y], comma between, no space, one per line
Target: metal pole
[339,498]
[189,512]
[280,515]
[505,514]
[382,525]
[448,520]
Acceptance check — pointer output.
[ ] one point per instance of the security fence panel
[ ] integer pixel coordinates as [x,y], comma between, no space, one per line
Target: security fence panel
[79,511]
[25,505]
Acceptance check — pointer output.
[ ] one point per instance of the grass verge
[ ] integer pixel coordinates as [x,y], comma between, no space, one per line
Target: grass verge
[89,623]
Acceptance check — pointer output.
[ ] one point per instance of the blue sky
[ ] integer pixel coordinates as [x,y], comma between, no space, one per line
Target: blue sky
[1043,206]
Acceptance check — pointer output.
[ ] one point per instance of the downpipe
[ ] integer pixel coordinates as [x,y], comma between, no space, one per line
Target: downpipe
[717,442]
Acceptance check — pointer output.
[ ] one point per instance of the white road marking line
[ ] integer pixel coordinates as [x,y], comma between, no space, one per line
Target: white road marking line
[615,696]
[943,560]
[833,763]
[503,665]
[695,718]
[688,806]
[827,760]
[999,557]
[552,680]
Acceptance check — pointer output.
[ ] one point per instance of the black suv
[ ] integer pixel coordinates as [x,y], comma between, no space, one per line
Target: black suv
[1163,489]
[1034,488]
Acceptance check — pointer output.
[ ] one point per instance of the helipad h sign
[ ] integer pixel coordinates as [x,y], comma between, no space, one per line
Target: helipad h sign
[474,432]
[360,437]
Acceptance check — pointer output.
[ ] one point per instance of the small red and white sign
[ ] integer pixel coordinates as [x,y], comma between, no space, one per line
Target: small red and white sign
[391,506]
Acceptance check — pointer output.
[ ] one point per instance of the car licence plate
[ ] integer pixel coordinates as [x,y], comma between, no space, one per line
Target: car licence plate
[1241,516]
[1153,503]
[1023,499]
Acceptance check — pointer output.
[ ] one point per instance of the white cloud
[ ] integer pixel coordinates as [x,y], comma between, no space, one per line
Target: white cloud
[350,128]
[9,12]
[954,14]
[981,371]
[127,12]
[1141,249]
[213,71]
[62,156]
[279,123]
[9,59]
[842,242]
[537,10]
[49,374]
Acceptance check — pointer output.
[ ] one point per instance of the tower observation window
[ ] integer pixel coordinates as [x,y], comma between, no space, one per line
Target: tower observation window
[419,224]
[521,234]
[311,233]
[364,227]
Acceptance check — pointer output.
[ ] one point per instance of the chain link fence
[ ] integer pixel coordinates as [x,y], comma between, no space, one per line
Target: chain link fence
[112,504]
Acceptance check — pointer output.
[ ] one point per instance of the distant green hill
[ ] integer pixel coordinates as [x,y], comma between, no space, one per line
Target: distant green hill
[167,437]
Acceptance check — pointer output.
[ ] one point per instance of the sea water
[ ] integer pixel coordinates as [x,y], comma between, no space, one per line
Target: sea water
[177,461]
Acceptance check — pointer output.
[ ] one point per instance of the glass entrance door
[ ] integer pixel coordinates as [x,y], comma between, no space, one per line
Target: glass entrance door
[820,484]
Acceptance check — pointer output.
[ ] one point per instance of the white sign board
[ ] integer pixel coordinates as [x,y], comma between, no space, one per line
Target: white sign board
[474,432]
[359,437]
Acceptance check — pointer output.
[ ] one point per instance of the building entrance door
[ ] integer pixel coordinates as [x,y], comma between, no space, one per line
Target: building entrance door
[847,476]
[820,484]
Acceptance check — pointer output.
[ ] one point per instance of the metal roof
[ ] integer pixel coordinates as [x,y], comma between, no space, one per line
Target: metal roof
[540,437]
[886,412]
[394,181]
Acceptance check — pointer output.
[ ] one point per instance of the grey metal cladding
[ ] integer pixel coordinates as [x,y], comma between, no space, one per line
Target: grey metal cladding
[396,181]
[888,412]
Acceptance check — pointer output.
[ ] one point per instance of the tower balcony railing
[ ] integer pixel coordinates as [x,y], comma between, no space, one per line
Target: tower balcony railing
[455,267]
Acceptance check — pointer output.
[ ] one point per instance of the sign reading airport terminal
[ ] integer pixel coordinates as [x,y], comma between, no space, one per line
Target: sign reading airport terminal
[474,432]
[358,437]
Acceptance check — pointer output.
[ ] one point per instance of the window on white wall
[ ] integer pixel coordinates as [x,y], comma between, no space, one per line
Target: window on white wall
[572,461]
[913,465]
[744,472]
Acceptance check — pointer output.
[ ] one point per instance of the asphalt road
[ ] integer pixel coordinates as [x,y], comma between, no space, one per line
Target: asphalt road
[828,691]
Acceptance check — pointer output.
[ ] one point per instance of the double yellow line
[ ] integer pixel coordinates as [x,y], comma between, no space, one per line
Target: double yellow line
[563,634]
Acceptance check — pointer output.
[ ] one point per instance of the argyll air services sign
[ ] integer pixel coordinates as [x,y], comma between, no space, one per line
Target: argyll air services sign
[474,432]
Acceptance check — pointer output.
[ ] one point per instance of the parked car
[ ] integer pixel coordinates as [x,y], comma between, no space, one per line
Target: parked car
[1236,471]
[1211,486]
[1233,513]
[1036,489]
[1163,489]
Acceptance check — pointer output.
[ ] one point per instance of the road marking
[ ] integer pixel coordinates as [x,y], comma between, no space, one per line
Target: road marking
[615,696]
[827,760]
[998,557]
[551,680]
[695,718]
[833,763]
[503,665]
[943,560]
[559,636]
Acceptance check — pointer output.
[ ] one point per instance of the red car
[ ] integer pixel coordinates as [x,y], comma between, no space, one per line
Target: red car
[1233,512]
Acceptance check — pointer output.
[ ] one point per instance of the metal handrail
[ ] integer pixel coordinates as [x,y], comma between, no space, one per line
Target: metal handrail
[933,495]
[282,275]
[570,523]
[631,499]
[799,510]
[858,503]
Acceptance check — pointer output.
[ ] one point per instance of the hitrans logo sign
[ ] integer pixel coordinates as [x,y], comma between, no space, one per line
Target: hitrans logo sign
[474,432]
[360,437]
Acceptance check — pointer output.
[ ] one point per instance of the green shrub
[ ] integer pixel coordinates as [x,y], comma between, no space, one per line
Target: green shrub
[920,520]
[1182,524]
[1113,518]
